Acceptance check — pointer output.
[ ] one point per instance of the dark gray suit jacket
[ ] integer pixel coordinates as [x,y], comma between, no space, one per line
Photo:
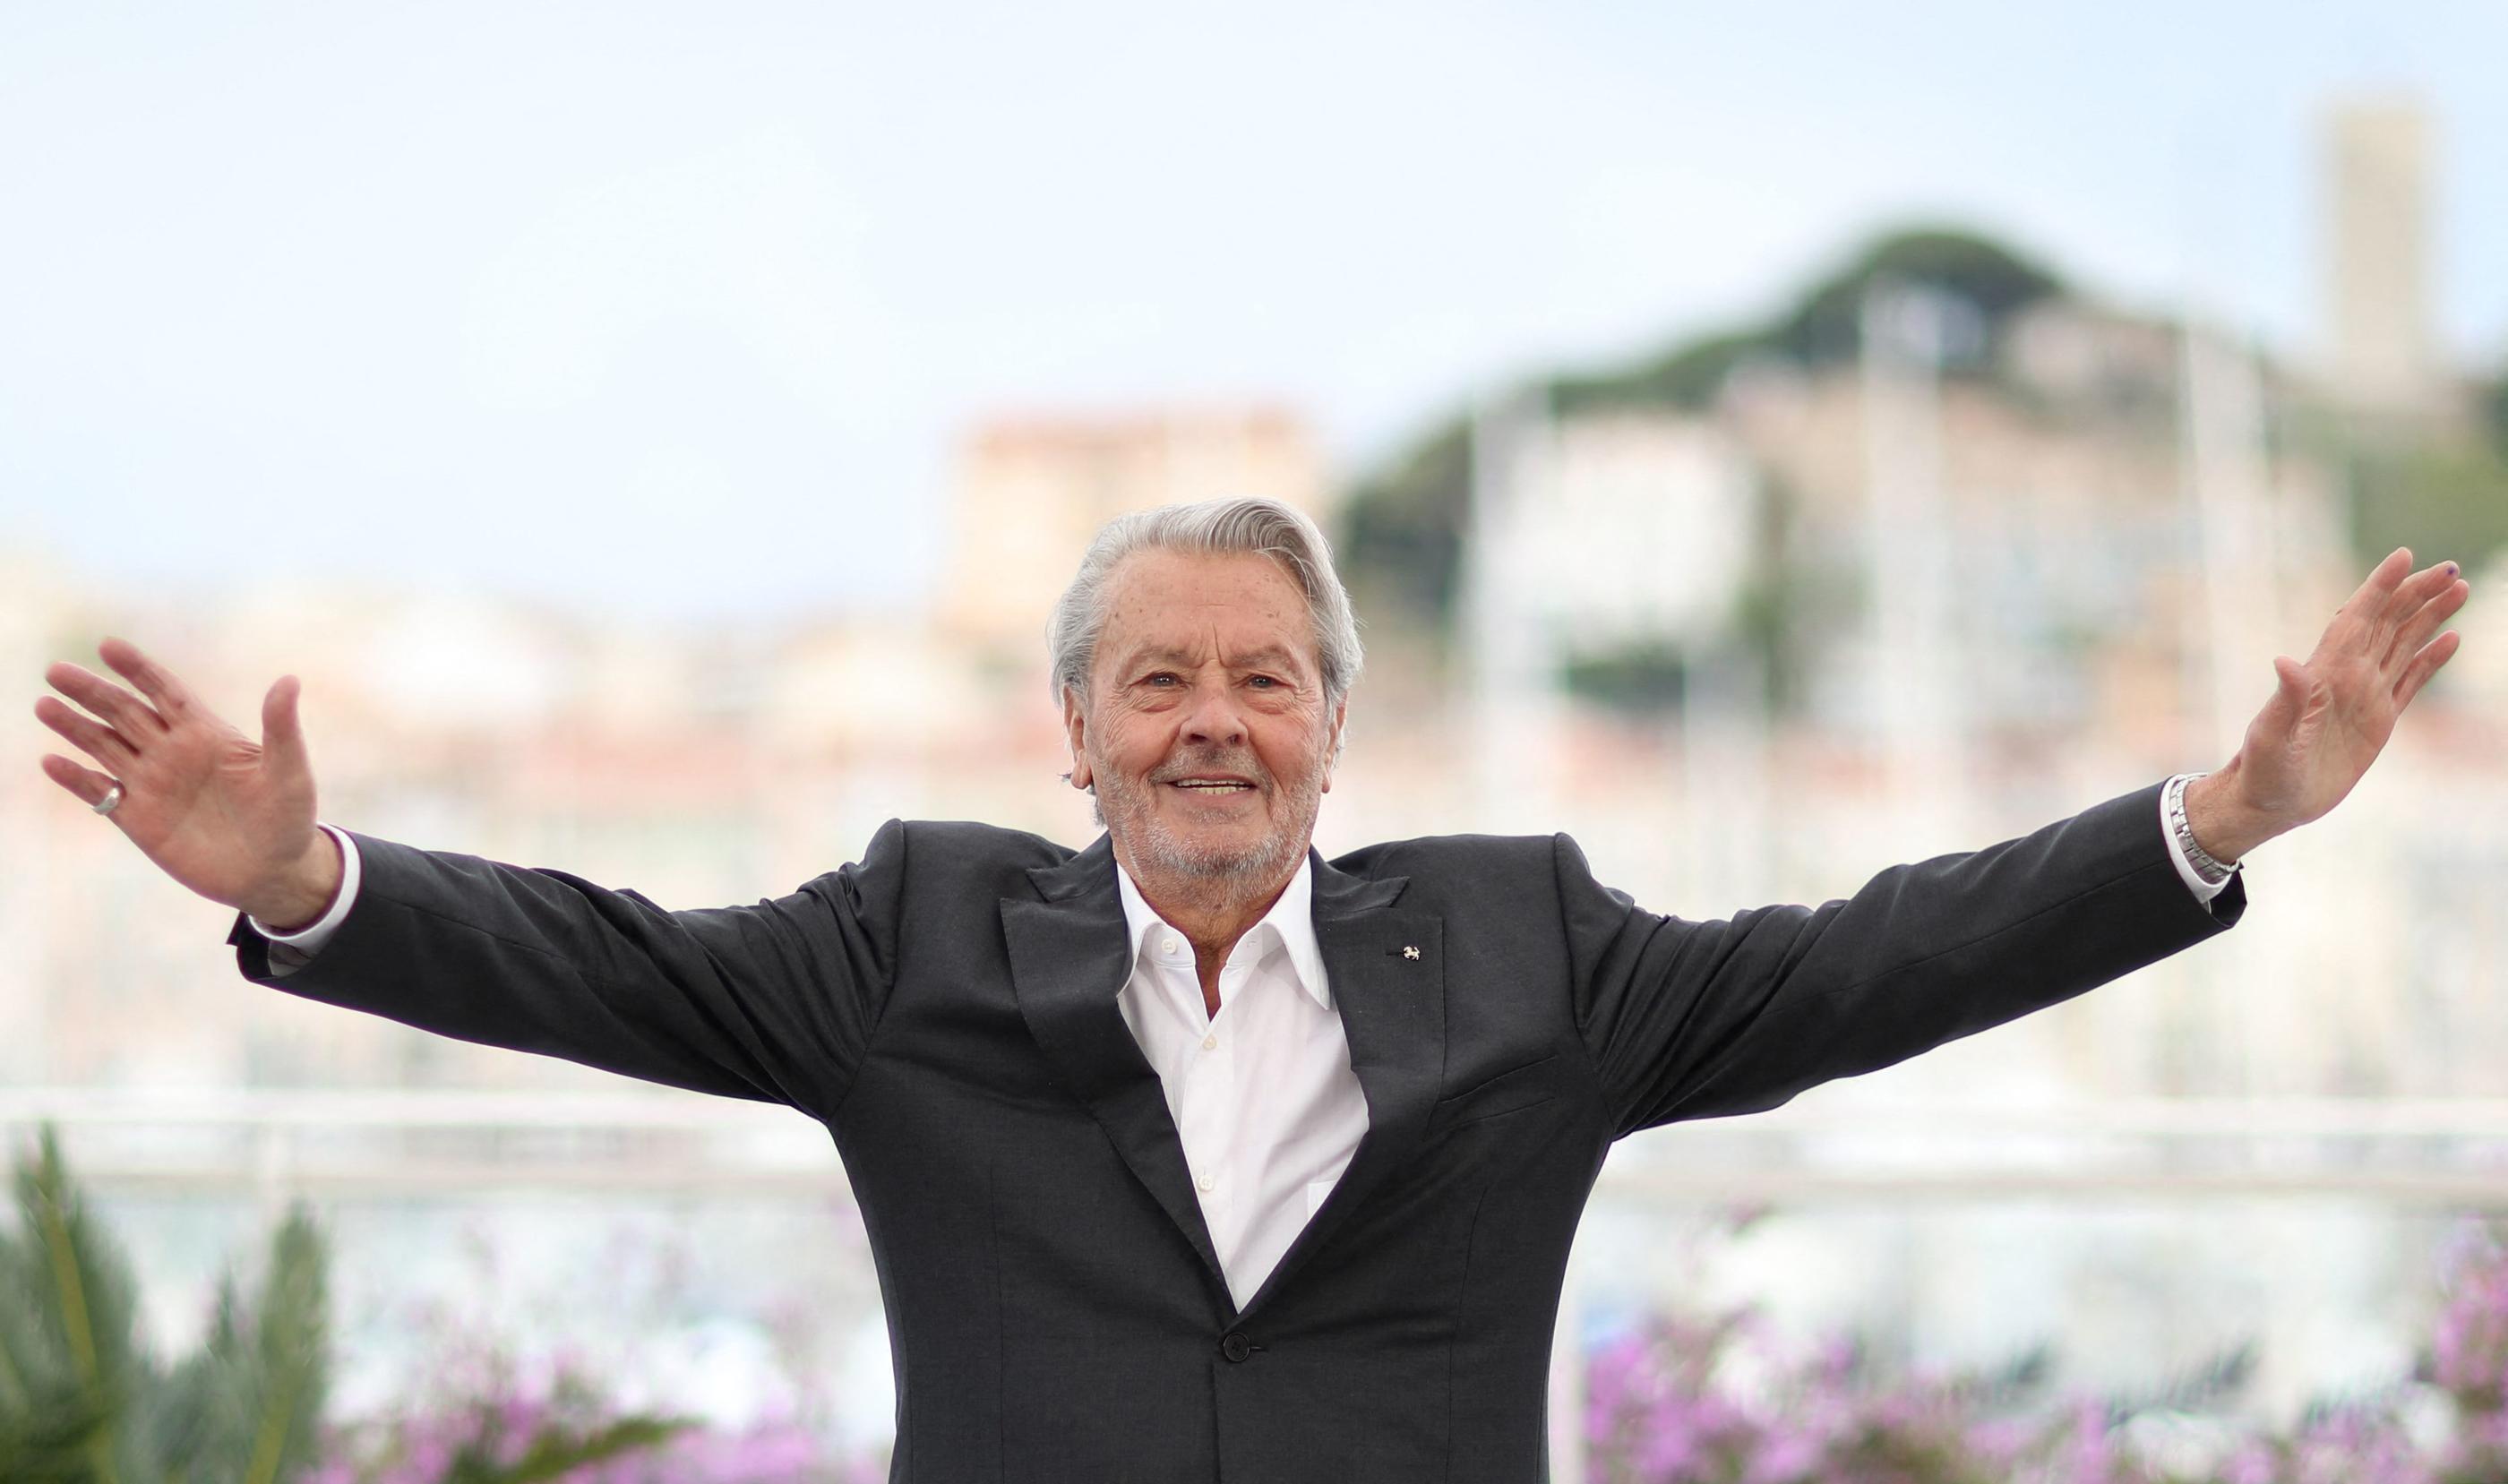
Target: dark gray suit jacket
[947,1009]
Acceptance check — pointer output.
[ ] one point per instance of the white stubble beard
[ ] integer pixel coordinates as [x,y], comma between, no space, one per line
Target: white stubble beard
[1249,870]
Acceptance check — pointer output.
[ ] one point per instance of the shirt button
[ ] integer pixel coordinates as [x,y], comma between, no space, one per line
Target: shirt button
[1236,1347]
[1210,1043]
[1168,947]
[1205,1185]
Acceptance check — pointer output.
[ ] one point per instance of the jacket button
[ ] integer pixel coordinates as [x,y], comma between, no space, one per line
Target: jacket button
[1235,1347]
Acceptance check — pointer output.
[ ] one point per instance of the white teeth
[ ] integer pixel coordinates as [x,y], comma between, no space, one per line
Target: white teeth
[1214,787]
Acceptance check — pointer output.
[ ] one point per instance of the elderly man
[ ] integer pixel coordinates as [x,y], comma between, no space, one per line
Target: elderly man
[1191,1155]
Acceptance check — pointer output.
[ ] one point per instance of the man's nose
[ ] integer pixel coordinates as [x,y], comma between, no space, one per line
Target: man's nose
[1214,716]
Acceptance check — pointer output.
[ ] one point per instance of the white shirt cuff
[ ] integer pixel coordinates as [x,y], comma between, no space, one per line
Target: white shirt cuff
[308,940]
[2204,891]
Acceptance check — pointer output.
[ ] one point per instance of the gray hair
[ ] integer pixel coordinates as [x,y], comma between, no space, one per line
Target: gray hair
[1212,528]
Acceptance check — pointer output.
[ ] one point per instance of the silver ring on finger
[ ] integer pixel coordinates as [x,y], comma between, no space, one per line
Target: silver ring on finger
[112,797]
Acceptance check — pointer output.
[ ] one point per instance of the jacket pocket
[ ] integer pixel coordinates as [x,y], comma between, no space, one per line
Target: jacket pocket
[1509,1092]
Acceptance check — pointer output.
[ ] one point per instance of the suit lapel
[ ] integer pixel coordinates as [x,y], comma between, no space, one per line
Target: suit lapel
[1389,983]
[1069,959]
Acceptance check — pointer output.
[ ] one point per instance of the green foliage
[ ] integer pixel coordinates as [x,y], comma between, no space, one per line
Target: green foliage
[1827,324]
[554,1452]
[1402,536]
[2445,499]
[66,1315]
[81,1400]
[1648,676]
[1688,375]
[254,1391]
[1824,326]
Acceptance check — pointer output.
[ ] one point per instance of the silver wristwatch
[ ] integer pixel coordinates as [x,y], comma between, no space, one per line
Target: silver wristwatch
[2205,866]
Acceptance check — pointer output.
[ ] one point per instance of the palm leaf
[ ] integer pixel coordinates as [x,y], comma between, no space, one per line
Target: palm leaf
[79,1293]
[290,1355]
[247,1405]
[32,1370]
[54,1440]
[193,1416]
[554,1452]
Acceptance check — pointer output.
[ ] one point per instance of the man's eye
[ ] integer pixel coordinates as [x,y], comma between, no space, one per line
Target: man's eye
[1262,681]
[1160,679]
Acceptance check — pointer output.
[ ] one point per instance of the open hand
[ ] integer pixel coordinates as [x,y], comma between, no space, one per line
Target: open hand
[228,817]
[2329,717]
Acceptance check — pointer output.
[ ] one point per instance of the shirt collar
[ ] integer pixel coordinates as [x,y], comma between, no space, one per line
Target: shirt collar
[1292,917]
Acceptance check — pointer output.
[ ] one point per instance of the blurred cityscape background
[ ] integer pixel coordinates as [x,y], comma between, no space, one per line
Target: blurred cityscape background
[1922,540]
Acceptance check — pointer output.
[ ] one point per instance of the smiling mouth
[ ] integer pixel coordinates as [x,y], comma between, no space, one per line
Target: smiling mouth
[1211,786]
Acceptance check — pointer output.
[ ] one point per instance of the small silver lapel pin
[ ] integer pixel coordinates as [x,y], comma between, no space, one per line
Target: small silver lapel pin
[1410,950]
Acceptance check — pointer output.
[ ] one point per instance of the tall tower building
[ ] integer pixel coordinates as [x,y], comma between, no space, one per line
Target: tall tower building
[2378,184]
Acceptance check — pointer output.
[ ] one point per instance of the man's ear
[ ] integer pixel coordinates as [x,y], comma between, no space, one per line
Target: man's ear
[1332,747]
[1075,724]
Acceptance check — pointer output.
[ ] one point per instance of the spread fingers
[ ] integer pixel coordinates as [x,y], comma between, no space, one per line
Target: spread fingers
[90,736]
[2432,605]
[2424,665]
[157,683]
[128,714]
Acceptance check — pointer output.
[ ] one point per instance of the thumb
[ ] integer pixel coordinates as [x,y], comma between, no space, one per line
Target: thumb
[2297,698]
[282,736]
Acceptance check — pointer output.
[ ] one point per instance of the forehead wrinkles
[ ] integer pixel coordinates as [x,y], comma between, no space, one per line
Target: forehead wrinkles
[1255,651]
[1241,608]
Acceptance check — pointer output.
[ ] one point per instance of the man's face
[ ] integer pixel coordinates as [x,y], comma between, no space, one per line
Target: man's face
[1204,729]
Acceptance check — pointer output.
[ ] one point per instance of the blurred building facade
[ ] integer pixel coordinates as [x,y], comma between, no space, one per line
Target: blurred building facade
[1031,486]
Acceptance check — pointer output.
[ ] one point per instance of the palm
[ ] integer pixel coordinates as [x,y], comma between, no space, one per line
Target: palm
[2330,718]
[215,810]
[205,803]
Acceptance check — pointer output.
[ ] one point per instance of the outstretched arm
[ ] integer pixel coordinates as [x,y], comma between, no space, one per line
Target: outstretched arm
[2329,717]
[1703,1020]
[772,1002]
[1693,1020]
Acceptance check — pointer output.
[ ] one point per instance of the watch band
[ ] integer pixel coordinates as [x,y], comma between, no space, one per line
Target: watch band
[2206,865]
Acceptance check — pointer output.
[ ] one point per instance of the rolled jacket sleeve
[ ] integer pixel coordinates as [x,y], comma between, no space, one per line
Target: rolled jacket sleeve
[1700,1019]
[773,1002]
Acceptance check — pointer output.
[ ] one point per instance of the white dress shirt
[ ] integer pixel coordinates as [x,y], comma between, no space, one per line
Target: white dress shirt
[1262,1094]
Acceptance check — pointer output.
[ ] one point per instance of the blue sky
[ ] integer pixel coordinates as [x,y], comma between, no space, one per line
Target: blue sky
[676,312]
